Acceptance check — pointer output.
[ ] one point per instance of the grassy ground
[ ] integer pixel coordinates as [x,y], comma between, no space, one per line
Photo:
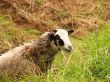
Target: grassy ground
[89,62]
[10,36]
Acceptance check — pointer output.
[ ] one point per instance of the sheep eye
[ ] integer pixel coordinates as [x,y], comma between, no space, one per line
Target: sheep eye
[58,41]
[61,42]
[57,37]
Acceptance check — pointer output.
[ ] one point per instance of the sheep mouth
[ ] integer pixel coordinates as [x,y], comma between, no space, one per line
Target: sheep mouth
[67,50]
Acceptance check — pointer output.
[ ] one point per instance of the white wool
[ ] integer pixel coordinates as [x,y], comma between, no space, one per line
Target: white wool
[13,54]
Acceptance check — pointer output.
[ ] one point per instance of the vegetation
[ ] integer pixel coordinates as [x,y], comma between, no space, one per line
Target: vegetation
[90,59]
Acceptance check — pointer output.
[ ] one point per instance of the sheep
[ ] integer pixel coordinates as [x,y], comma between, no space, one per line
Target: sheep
[37,56]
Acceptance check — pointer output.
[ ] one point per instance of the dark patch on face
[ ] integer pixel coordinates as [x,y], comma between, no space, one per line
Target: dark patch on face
[56,38]
[61,42]
[51,36]
[58,41]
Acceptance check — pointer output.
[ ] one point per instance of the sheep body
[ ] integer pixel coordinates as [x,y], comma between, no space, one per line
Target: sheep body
[33,57]
[37,56]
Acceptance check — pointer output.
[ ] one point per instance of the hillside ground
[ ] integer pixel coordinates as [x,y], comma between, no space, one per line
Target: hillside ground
[90,59]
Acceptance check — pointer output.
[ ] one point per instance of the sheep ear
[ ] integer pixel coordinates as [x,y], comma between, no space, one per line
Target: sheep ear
[54,31]
[51,36]
[70,31]
[57,37]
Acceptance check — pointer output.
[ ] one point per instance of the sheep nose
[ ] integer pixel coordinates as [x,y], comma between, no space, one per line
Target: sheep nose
[70,48]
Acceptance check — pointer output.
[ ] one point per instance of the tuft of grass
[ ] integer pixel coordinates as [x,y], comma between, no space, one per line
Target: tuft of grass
[98,64]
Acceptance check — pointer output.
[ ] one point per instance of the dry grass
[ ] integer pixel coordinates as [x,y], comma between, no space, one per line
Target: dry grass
[10,36]
[45,15]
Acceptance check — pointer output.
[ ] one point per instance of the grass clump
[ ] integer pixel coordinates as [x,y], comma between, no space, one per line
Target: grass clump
[98,64]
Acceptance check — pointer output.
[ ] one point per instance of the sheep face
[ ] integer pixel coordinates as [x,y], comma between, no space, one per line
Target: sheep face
[61,39]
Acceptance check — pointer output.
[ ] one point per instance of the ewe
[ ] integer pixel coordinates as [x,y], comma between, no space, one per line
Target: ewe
[37,56]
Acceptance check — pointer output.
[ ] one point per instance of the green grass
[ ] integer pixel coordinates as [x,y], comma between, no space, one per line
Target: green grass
[11,36]
[89,62]
[98,64]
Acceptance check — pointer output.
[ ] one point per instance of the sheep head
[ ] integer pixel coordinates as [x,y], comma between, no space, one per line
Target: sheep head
[61,40]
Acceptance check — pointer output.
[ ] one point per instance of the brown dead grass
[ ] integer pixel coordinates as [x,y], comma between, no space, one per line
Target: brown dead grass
[11,37]
[51,14]
[81,25]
